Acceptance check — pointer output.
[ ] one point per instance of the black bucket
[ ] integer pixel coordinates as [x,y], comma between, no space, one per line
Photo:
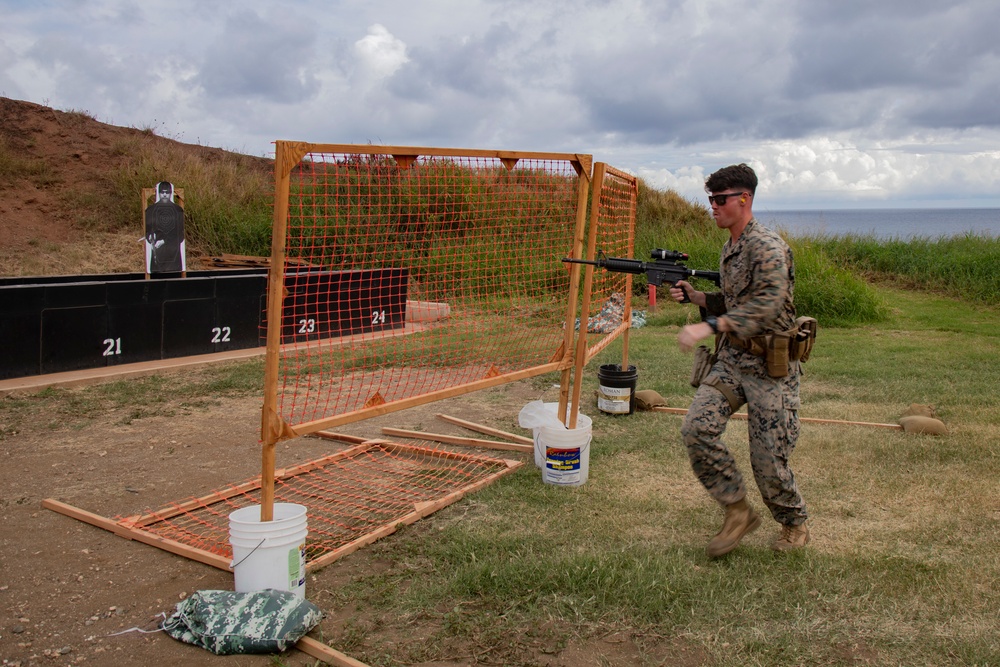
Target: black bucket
[616,393]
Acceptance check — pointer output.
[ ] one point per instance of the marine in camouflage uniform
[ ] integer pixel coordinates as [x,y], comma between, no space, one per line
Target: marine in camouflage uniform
[758,279]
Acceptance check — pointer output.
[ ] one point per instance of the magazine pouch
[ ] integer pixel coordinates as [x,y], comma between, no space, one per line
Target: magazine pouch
[805,336]
[704,359]
[777,354]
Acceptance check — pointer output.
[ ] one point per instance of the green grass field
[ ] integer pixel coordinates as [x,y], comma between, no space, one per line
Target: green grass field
[902,564]
[901,569]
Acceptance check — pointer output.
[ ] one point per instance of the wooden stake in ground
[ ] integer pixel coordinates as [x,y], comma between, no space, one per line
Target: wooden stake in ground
[807,420]
[321,651]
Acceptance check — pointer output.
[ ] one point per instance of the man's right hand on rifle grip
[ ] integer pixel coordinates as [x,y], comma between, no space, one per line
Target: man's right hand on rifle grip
[682,292]
[679,292]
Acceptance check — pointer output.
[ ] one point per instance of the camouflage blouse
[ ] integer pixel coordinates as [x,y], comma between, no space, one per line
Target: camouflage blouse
[758,283]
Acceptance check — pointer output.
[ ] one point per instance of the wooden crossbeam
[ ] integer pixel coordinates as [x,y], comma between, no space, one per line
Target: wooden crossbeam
[458,440]
[327,654]
[341,437]
[479,428]
[138,535]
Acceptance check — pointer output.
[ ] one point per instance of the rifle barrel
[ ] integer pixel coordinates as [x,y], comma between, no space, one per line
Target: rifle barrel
[634,266]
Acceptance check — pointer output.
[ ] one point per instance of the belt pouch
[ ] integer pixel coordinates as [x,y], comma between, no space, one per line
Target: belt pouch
[704,359]
[777,355]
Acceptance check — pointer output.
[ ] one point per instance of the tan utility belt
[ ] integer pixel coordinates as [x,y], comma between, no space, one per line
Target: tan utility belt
[780,347]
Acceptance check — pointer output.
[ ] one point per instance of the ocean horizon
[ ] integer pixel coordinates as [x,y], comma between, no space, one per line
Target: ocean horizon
[891,223]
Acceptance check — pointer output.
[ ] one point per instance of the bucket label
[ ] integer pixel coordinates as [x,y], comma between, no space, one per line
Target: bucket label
[562,460]
[614,400]
[296,571]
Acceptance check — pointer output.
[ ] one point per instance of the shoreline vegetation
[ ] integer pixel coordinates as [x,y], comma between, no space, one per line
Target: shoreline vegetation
[836,275]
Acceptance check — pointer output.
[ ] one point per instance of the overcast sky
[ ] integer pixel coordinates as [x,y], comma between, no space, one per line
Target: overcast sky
[835,103]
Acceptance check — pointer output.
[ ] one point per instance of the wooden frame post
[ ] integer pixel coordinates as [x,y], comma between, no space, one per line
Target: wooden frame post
[583,191]
[272,428]
[580,356]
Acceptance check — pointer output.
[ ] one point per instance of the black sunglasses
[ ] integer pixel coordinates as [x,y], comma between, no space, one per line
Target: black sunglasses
[722,199]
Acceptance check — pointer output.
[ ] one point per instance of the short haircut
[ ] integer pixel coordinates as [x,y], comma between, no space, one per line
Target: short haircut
[733,176]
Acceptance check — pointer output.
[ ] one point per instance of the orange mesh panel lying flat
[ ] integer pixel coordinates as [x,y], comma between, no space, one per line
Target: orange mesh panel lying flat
[351,498]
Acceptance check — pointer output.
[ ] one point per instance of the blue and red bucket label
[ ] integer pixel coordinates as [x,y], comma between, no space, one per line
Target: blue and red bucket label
[562,465]
[562,459]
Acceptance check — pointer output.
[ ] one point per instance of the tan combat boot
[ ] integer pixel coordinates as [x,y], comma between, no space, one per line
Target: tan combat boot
[740,521]
[792,537]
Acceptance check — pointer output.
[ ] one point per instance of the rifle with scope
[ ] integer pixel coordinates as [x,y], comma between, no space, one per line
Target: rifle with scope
[665,267]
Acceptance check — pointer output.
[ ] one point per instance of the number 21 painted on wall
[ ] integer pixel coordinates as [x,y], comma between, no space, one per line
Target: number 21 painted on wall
[112,346]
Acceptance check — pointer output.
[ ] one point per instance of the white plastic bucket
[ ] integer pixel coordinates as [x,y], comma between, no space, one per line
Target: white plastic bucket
[269,554]
[563,454]
[536,415]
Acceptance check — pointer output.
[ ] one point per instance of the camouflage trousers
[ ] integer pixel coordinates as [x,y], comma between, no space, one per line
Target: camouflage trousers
[773,425]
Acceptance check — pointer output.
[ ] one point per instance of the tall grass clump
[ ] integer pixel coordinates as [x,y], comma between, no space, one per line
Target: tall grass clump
[831,293]
[226,198]
[664,219]
[963,266]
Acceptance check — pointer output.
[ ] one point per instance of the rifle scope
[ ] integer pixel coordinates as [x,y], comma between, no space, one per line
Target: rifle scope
[668,255]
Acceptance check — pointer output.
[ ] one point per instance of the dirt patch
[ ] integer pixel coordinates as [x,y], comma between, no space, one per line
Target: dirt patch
[71,593]
[67,586]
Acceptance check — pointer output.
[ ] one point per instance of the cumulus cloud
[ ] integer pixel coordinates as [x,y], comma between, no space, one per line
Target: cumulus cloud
[379,54]
[835,172]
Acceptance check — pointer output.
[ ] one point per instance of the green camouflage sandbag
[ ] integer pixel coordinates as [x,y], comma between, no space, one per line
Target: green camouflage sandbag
[226,623]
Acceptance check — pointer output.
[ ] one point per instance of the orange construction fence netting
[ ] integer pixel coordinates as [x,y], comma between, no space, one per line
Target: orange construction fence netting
[398,277]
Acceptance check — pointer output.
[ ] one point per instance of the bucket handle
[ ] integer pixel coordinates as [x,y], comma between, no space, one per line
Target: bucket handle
[233,566]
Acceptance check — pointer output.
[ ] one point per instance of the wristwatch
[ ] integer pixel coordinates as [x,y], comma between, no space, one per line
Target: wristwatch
[713,322]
